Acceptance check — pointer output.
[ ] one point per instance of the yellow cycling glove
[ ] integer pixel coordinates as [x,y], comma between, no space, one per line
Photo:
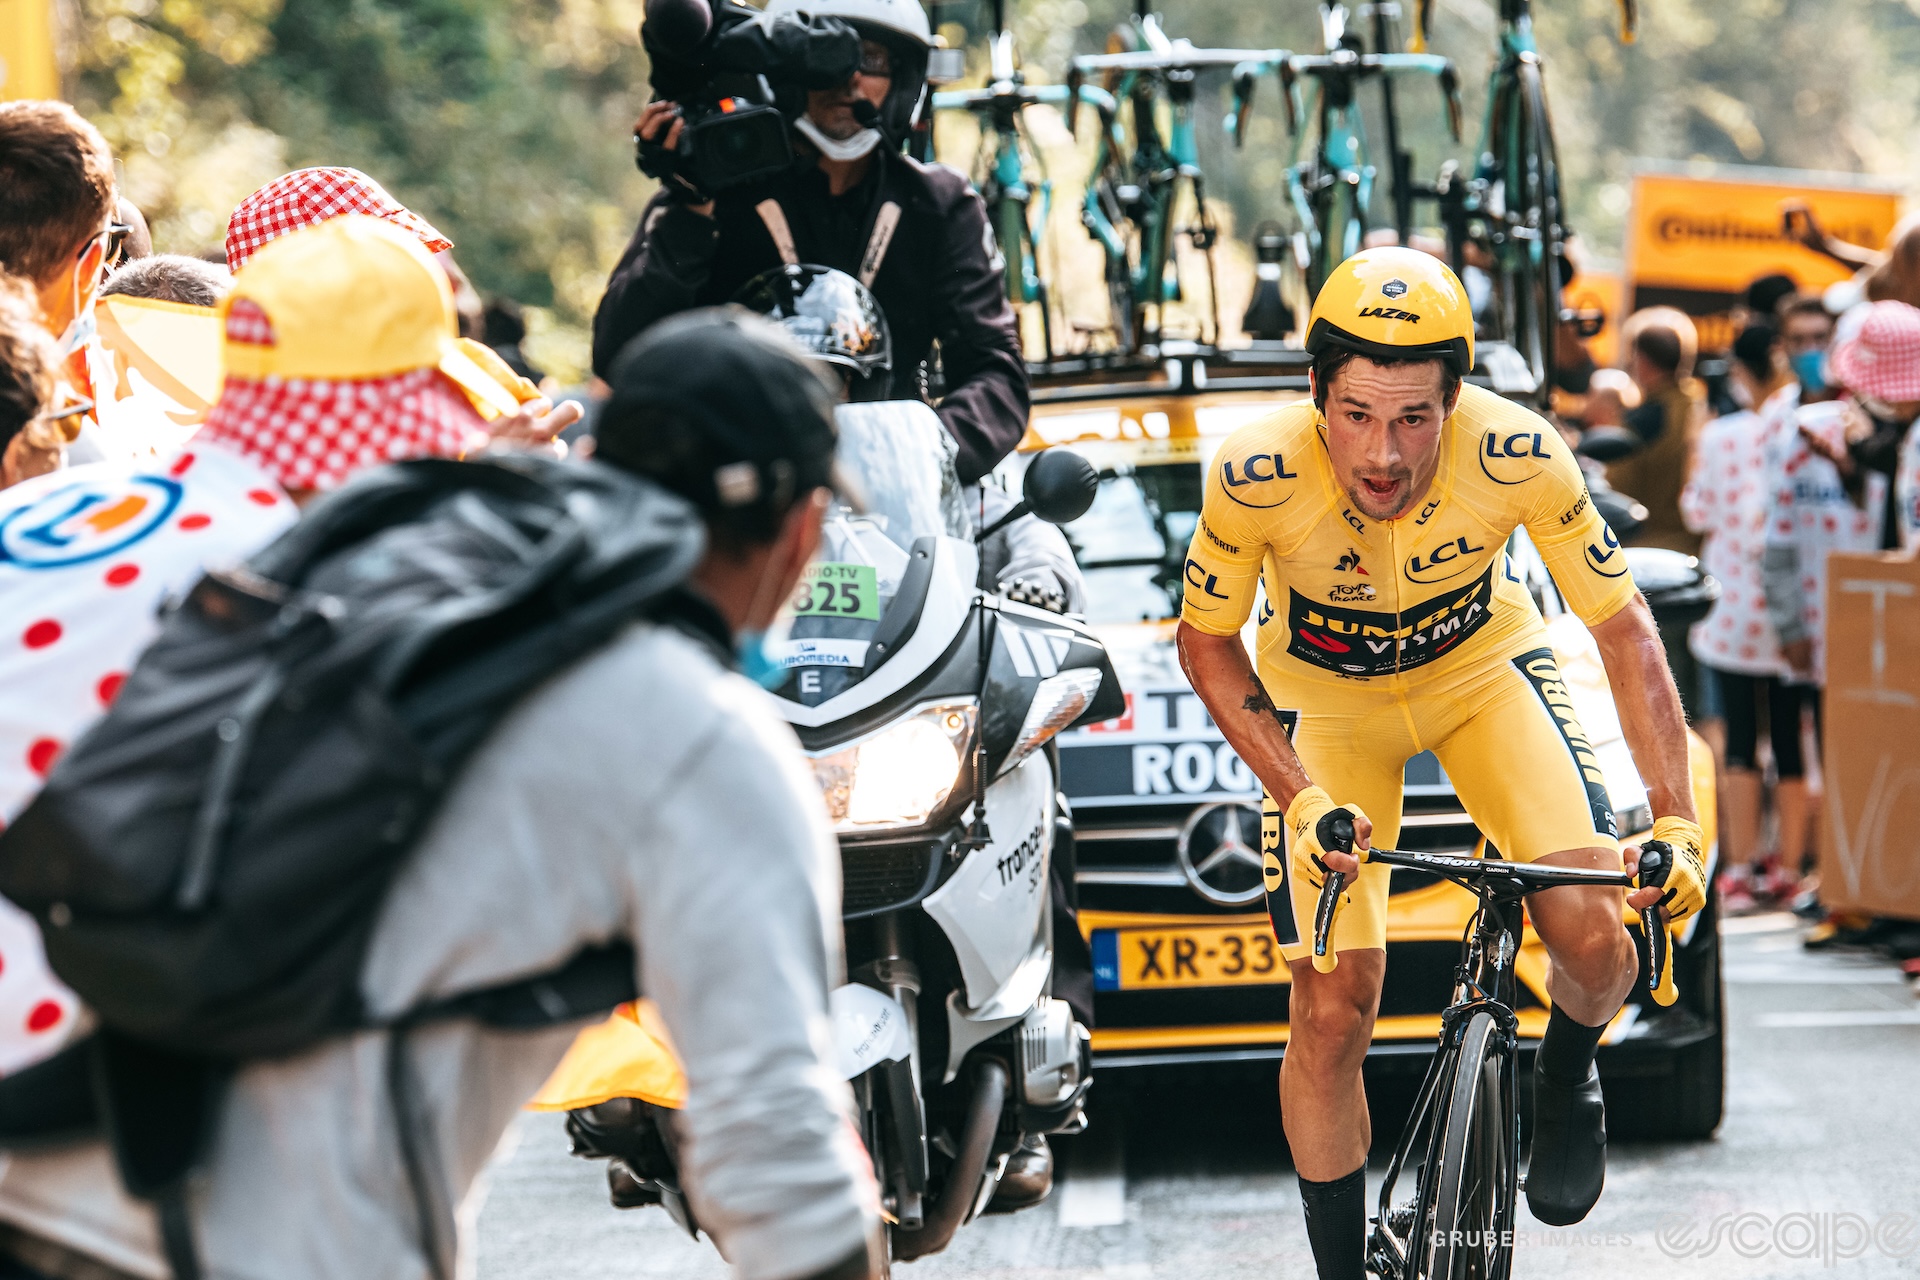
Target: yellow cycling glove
[1310,817]
[1685,881]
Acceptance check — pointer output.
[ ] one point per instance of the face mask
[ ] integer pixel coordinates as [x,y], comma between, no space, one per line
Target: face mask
[842,149]
[750,652]
[1810,367]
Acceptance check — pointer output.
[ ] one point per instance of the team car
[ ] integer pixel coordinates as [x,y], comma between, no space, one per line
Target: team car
[1167,817]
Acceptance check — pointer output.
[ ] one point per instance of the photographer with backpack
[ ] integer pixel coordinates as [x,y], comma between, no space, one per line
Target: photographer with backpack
[384,815]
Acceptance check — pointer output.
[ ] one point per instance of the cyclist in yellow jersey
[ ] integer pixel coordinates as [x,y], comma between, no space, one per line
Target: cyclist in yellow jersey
[1375,516]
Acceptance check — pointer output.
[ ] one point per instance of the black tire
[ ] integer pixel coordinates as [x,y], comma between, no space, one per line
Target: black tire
[1532,174]
[1468,1221]
[1126,317]
[1689,1102]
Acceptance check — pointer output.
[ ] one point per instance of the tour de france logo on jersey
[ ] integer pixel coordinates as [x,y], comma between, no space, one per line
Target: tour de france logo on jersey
[86,521]
[1514,457]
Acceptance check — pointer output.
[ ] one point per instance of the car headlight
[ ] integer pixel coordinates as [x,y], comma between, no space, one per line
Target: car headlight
[897,777]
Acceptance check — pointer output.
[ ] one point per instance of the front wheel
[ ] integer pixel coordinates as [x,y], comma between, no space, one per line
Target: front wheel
[1468,1222]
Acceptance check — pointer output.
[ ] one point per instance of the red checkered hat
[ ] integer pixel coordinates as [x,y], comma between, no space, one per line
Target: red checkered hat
[312,433]
[307,196]
[1882,359]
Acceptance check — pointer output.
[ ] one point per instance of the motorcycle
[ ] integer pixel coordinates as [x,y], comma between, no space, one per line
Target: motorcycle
[927,702]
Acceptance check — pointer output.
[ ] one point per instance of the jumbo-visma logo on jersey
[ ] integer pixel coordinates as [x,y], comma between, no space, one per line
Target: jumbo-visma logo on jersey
[87,520]
[1359,642]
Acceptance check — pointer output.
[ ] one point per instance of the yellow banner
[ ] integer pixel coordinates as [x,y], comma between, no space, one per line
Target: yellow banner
[1718,235]
[27,66]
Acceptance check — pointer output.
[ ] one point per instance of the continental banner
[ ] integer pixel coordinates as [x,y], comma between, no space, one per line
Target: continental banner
[1696,243]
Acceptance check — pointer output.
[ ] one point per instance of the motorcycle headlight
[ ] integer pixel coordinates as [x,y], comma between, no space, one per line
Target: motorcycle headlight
[897,777]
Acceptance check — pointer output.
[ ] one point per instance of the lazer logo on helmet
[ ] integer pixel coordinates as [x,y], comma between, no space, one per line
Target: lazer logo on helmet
[1389,313]
[1354,642]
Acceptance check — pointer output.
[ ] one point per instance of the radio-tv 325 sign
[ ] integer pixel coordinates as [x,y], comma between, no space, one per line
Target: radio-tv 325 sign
[1698,242]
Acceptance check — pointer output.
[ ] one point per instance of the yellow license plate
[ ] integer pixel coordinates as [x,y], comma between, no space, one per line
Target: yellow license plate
[1193,956]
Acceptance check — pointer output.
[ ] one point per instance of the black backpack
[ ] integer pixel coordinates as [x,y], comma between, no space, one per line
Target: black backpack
[207,863]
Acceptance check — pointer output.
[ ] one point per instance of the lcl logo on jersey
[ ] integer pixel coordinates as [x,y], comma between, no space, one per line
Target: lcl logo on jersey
[1605,557]
[1513,457]
[1447,560]
[1204,583]
[1255,471]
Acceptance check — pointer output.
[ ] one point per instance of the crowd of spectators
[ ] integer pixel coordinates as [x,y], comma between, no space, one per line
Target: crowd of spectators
[349,338]
[1797,444]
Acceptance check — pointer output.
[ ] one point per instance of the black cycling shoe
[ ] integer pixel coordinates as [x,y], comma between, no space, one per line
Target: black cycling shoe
[1028,1179]
[1569,1161]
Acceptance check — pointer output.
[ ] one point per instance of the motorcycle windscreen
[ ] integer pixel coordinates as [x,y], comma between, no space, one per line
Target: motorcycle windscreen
[898,483]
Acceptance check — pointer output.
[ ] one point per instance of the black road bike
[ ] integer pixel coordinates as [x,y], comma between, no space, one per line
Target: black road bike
[1464,1135]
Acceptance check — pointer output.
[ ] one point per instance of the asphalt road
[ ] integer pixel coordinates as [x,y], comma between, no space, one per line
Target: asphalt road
[1816,1170]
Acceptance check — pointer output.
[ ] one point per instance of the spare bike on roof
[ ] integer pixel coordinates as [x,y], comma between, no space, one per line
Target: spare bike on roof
[1131,199]
[1510,207]
[1330,184]
[1010,172]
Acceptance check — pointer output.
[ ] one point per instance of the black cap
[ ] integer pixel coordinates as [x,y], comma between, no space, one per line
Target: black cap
[724,409]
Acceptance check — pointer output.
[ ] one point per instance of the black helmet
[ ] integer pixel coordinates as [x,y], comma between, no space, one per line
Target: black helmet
[831,315]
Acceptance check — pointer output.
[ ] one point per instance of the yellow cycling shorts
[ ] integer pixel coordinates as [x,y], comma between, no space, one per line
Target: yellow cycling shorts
[1507,736]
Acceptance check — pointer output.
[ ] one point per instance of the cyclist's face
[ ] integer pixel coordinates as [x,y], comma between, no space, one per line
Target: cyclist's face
[1383,432]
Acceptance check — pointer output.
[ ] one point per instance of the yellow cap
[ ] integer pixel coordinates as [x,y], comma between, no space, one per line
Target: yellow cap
[1394,304]
[350,299]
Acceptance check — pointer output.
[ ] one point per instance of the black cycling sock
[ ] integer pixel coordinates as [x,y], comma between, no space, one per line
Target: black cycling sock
[1566,1051]
[1337,1224]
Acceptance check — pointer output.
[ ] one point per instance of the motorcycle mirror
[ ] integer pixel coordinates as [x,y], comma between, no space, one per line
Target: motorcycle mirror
[1060,486]
[1608,444]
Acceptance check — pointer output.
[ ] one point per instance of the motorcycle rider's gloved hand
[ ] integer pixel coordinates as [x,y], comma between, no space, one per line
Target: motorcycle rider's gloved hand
[1686,878]
[1041,595]
[1311,818]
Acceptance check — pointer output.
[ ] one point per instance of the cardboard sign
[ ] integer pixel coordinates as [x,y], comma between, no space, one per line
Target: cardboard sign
[1696,243]
[1870,829]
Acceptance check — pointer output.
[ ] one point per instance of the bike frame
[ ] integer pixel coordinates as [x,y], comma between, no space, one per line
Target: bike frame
[1483,982]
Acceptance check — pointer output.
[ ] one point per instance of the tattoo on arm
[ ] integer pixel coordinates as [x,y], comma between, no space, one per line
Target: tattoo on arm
[1258,703]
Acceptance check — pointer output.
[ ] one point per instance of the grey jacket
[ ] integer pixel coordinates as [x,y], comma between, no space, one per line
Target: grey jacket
[645,793]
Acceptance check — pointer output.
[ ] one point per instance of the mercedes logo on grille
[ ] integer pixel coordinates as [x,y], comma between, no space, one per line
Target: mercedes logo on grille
[1219,852]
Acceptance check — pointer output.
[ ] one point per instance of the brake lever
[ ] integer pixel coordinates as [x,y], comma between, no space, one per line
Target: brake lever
[1450,88]
[1330,891]
[1660,985]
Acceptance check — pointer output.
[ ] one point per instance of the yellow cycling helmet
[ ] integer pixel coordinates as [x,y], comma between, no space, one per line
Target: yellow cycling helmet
[1394,304]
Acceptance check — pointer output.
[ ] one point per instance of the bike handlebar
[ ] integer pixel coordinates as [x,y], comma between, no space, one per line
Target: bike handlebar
[1528,877]
[1182,57]
[1025,95]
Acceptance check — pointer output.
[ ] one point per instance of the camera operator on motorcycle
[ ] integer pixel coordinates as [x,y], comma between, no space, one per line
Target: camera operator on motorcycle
[916,235]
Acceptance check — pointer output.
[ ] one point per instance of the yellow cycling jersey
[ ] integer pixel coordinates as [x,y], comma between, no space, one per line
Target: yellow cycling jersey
[1352,598]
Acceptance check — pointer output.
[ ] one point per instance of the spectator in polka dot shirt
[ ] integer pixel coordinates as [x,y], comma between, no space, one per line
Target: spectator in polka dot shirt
[89,554]
[1727,499]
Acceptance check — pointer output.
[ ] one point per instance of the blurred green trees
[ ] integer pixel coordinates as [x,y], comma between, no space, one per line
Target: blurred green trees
[506,122]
